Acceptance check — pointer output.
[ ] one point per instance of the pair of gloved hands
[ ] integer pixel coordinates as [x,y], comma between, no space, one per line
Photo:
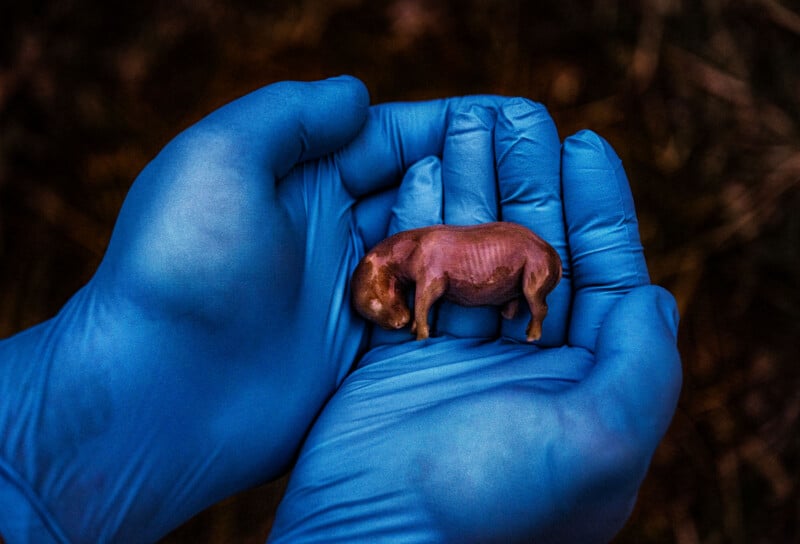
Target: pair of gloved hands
[198,359]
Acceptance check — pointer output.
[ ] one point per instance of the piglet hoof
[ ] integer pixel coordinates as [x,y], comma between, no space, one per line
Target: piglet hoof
[534,331]
[509,310]
[422,332]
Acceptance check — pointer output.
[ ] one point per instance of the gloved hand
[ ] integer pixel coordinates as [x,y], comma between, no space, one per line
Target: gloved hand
[476,436]
[195,360]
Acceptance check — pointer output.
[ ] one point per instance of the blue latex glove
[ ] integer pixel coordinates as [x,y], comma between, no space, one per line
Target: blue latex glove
[195,360]
[476,436]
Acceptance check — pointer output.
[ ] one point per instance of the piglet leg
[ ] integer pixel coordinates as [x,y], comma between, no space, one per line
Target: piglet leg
[510,308]
[427,293]
[534,289]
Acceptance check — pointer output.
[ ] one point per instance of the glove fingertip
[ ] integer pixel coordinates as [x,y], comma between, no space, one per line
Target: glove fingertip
[522,113]
[668,307]
[585,147]
[355,86]
[419,198]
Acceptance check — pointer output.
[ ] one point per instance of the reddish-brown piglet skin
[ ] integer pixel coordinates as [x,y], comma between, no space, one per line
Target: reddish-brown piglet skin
[495,264]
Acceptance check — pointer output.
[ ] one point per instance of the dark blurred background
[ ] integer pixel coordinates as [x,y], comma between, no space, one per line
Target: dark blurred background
[700,98]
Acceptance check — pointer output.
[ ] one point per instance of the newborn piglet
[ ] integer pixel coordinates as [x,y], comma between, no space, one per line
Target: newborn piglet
[492,264]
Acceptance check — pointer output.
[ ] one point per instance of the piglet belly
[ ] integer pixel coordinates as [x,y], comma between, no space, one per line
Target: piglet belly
[484,273]
[466,293]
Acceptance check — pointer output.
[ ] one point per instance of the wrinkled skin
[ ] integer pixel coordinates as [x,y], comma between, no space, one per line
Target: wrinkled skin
[488,264]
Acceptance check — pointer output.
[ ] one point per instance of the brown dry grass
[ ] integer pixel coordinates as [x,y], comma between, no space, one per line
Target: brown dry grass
[701,99]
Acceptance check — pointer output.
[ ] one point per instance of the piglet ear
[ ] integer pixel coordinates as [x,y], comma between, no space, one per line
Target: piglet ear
[359,285]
